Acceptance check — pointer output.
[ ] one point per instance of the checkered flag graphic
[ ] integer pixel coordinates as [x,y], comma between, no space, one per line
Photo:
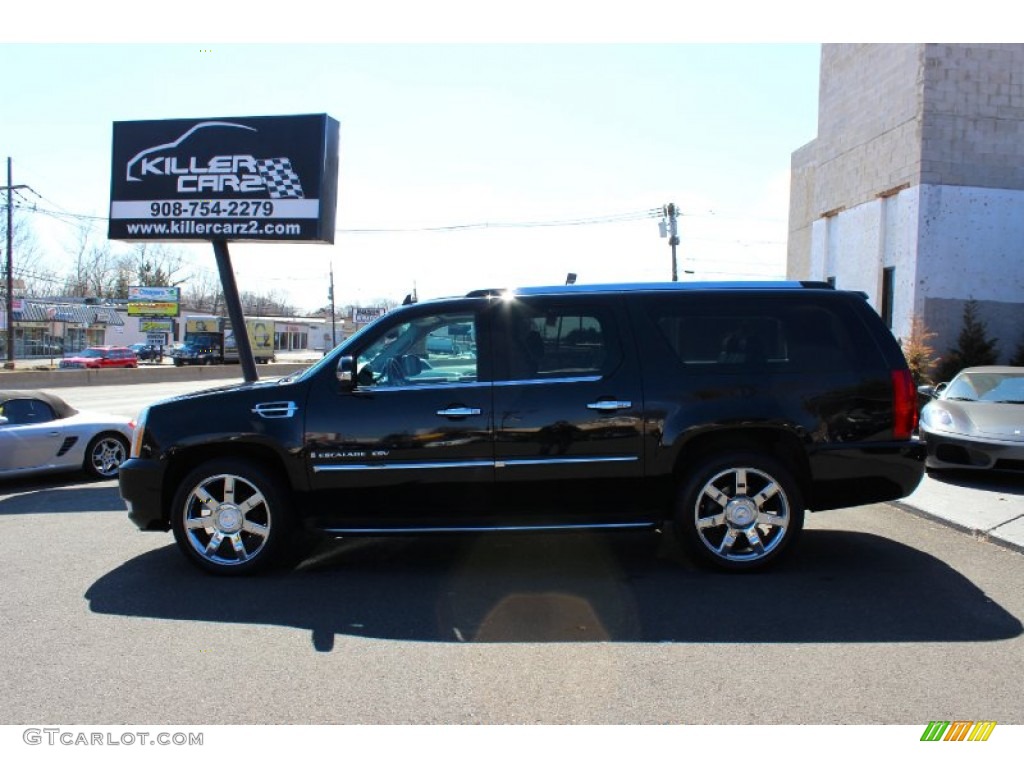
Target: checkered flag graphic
[281,180]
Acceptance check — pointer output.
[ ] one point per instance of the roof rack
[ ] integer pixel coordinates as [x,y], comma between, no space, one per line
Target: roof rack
[633,287]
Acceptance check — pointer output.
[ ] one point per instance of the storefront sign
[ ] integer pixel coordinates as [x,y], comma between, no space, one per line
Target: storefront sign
[147,325]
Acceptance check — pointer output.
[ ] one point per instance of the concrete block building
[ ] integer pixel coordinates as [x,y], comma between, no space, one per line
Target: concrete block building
[913,190]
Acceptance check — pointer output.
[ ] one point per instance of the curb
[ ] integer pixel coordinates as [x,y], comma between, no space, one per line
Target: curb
[143,375]
[978,534]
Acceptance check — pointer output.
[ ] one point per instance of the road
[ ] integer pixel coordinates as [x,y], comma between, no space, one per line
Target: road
[884,617]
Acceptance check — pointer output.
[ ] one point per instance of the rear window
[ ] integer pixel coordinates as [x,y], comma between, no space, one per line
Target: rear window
[784,333]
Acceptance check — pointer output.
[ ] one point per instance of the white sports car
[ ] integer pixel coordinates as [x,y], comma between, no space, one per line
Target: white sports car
[977,421]
[39,432]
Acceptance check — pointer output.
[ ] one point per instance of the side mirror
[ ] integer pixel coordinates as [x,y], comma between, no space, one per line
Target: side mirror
[3,420]
[346,371]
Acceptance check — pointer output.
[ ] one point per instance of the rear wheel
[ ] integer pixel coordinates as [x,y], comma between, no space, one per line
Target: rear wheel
[739,511]
[229,517]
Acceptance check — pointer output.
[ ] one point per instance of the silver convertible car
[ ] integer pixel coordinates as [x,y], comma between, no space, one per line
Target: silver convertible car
[976,421]
[39,432]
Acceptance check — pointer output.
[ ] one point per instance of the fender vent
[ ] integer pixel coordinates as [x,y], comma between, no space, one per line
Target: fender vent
[283,409]
[66,445]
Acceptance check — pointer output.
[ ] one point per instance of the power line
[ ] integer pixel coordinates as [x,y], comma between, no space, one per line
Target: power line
[582,221]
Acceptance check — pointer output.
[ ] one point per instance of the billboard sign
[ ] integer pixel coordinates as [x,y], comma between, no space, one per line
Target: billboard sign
[153,301]
[153,309]
[153,293]
[238,178]
[362,315]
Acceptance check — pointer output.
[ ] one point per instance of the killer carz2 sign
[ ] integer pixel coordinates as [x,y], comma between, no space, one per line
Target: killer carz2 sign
[237,178]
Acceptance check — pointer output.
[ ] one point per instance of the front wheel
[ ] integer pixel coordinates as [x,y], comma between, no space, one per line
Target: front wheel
[230,518]
[739,511]
[105,455]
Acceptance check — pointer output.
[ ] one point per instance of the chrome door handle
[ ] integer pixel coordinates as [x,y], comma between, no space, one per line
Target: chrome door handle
[609,405]
[459,412]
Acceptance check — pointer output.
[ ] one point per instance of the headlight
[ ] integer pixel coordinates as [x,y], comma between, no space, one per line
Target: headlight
[939,418]
[140,429]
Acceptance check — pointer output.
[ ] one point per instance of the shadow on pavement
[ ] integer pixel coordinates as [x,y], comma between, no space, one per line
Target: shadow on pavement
[74,493]
[841,587]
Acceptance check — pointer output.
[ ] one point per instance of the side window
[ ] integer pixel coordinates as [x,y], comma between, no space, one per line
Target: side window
[559,342]
[27,411]
[758,334]
[431,350]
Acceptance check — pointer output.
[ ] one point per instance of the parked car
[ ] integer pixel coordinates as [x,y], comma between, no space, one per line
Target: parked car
[148,352]
[40,432]
[723,411]
[976,421]
[101,357]
[193,354]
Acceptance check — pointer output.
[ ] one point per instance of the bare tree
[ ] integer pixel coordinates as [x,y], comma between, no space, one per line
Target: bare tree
[262,304]
[31,274]
[154,264]
[203,293]
[94,267]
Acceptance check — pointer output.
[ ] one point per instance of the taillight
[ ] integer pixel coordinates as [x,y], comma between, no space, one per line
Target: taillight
[904,405]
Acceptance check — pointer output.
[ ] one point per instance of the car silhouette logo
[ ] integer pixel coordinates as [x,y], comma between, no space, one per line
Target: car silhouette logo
[177,142]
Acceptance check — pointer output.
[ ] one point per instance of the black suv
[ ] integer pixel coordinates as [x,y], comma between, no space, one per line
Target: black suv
[724,409]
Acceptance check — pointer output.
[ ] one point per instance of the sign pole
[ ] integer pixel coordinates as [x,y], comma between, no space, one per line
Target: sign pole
[234,307]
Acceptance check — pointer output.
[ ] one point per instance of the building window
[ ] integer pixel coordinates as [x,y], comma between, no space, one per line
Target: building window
[888,293]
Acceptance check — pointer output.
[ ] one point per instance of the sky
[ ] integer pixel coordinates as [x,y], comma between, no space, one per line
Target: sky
[490,153]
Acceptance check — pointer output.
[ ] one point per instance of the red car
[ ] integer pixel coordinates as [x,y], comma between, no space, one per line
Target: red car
[102,357]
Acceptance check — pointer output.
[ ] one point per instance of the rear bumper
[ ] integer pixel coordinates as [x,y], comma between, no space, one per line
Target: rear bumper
[849,476]
[140,481]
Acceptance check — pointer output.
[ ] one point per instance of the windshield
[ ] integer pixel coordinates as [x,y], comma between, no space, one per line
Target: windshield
[329,360]
[987,388]
[90,353]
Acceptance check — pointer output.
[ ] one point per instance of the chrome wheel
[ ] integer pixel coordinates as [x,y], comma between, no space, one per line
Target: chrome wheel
[740,513]
[105,456]
[226,520]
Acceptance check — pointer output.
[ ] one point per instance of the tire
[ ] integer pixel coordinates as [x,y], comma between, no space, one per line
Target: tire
[739,511]
[105,454]
[230,517]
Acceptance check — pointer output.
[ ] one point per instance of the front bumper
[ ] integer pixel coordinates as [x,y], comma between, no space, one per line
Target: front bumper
[951,451]
[140,482]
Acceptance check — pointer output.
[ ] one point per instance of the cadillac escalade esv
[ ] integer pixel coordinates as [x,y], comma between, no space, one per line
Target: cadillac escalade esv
[725,410]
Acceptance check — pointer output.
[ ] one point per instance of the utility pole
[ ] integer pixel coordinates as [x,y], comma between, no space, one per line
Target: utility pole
[9,304]
[669,211]
[330,295]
